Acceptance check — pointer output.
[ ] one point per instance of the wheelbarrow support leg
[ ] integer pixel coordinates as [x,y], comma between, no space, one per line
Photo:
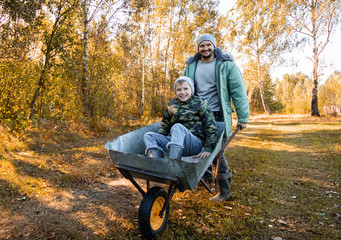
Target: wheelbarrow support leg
[171,192]
[127,175]
[211,190]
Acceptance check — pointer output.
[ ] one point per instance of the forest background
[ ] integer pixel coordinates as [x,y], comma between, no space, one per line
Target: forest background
[77,73]
[103,59]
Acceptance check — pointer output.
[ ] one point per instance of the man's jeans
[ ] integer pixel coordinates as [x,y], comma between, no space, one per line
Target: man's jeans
[179,136]
[223,163]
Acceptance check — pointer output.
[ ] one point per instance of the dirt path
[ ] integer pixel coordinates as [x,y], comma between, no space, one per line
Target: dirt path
[59,183]
[98,210]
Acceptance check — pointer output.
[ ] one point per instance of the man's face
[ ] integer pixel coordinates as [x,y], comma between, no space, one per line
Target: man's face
[183,91]
[206,49]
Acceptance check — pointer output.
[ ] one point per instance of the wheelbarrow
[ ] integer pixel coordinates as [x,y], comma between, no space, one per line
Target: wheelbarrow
[127,153]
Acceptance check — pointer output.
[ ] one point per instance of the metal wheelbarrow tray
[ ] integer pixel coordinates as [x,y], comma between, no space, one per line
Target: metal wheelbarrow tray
[127,153]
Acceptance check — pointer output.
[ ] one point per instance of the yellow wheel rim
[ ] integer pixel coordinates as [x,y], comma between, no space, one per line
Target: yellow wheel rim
[155,219]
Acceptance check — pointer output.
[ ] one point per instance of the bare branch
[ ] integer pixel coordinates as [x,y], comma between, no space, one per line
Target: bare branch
[95,11]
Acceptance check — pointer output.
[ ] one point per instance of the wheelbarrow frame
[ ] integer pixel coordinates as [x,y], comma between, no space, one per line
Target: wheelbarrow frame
[131,173]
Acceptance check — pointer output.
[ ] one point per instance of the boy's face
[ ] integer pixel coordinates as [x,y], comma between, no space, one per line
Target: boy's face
[183,91]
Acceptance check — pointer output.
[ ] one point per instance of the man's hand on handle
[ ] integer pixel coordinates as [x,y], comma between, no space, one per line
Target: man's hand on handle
[242,125]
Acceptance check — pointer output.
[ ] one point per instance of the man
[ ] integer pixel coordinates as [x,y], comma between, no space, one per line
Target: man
[218,80]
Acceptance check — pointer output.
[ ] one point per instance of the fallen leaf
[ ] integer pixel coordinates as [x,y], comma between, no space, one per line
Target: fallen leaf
[282,222]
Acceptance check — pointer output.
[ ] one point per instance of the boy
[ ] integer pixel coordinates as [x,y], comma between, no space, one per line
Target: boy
[187,125]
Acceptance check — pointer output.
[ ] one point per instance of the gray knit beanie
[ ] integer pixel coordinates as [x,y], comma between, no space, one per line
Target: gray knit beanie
[186,79]
[206,37]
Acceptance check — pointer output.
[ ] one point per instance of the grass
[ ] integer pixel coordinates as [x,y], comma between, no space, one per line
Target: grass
[57,182]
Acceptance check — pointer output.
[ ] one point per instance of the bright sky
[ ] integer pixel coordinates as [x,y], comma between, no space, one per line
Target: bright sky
[330,58]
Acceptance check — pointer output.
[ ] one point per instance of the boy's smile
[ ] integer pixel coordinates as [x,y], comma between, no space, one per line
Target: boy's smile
[183,91]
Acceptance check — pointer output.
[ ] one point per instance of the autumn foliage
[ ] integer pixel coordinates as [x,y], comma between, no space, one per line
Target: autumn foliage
[74,60]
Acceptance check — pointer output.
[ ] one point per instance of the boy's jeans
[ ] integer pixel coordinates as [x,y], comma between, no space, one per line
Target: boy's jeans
[179,135]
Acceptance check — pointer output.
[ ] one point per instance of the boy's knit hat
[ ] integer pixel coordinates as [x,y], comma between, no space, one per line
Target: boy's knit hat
[186,79]
[206,37]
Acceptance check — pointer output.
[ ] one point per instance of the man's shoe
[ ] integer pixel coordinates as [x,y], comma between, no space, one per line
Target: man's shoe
[224,181]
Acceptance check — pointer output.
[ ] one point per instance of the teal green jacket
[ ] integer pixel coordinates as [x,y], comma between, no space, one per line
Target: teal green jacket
[230,86]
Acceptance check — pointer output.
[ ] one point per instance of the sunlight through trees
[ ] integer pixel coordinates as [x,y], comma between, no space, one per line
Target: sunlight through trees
[71,60]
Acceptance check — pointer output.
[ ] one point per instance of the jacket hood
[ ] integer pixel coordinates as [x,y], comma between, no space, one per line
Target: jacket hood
[218,53]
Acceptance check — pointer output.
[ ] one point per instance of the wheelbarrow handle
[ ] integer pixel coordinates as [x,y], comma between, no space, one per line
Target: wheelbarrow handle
[222,150]
[229,139]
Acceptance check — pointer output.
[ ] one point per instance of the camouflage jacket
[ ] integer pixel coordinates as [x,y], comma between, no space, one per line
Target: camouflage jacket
[196,116]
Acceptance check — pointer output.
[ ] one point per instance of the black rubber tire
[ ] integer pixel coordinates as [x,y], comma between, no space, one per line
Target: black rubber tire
[144,216]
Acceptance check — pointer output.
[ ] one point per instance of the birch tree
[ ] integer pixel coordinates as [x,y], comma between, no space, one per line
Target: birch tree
[257,30]
[315,20]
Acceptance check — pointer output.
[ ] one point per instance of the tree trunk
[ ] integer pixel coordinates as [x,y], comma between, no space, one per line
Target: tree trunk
[250,93]
[168,79]
[314,101]
[261,88]
[262,95]
[34,99]
[158,67]
[142,97]
[84,83]
[145,22]
[314,98]
[154,92]
[42,75]
[49,49]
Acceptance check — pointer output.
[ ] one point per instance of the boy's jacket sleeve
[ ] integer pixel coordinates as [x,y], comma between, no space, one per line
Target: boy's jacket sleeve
[165,123]
[210,128]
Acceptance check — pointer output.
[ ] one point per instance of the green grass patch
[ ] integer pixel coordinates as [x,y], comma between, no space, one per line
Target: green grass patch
[286,183]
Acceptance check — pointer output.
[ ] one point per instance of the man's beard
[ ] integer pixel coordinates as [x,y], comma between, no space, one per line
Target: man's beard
[208,56]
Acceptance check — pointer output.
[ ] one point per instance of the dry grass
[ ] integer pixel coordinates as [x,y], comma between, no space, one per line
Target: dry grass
[57,182]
